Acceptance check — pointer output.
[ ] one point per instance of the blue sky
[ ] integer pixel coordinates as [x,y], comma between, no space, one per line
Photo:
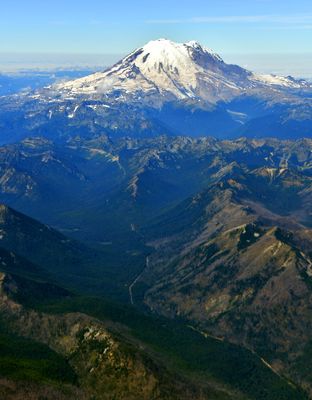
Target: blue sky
[262,35]
[116,27]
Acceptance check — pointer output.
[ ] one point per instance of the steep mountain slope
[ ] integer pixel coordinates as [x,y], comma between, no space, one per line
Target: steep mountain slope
[40,244]
[236,270]
[84,268]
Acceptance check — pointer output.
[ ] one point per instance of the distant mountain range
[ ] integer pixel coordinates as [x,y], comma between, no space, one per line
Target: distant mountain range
[163,88]
[87,180]
[31,79]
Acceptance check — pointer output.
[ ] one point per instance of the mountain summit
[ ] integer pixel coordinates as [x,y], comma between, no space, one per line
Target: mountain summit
[163,88]
[174,71]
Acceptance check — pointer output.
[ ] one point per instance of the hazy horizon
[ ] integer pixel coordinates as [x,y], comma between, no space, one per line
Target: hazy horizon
[296,64]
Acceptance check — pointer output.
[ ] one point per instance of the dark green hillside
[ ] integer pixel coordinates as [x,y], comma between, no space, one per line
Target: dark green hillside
[26,360]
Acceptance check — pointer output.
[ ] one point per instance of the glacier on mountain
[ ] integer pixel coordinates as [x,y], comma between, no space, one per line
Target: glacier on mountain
[170,71]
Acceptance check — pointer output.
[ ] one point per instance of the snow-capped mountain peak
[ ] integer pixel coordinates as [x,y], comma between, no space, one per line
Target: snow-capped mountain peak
[163,70]
[173,70]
